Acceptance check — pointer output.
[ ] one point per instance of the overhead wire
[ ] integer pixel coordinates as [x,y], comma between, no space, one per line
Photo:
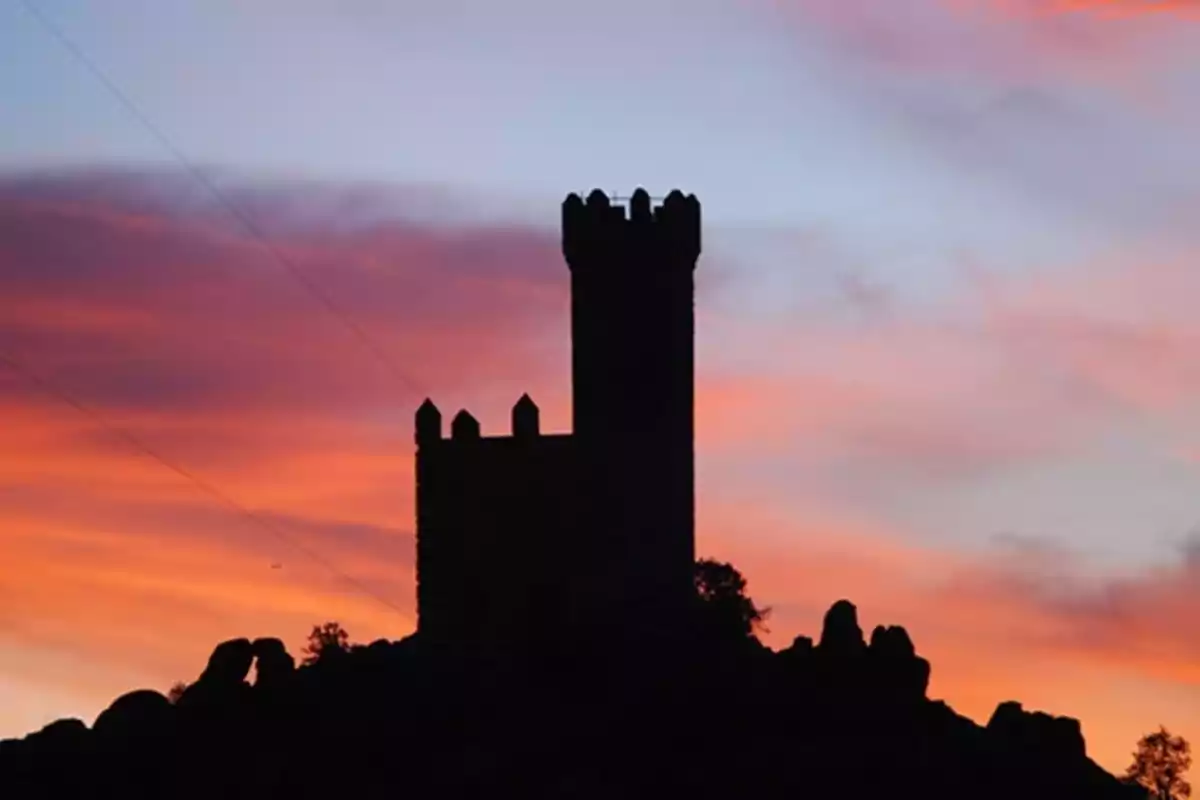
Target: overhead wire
[240,216]
[209,489]
[253,230]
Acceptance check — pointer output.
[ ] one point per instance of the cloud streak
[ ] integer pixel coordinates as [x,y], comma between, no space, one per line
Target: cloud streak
[999,39]
[1025,99]
[1109,9]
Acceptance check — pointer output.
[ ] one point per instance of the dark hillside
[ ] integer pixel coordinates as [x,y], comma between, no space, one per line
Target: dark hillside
[721,716]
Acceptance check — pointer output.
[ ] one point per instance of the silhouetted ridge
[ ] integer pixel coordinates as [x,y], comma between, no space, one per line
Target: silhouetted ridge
[842,718]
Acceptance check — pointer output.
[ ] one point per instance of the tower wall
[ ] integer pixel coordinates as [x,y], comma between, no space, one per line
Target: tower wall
[633,356]
[494,558]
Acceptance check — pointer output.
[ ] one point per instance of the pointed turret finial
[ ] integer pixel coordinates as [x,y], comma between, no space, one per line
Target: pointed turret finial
[525,418]
[464,426]
[429,423]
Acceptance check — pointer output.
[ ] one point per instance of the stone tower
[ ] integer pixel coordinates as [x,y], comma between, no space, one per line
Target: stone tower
[632,336]
[527,536]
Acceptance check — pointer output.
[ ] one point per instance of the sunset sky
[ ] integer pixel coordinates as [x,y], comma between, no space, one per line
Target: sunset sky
[948,340]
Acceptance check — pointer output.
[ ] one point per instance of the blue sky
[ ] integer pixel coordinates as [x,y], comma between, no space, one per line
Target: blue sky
[523,100]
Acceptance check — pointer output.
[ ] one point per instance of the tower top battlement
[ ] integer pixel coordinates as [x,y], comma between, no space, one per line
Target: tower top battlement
[597,231]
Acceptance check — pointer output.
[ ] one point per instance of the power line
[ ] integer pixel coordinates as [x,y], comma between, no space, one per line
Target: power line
[131,108]
[252,229]
[212,491]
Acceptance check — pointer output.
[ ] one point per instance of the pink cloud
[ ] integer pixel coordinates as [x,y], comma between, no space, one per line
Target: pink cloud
[1123,332]
[1009,370]
[1110,9]
[1007,40]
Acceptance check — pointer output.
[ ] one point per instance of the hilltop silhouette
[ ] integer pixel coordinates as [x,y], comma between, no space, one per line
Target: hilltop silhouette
[843,716]
[569,644]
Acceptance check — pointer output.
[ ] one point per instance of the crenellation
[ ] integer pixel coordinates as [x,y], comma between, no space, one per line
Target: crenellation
[598,231]
[640,212]
[464,426]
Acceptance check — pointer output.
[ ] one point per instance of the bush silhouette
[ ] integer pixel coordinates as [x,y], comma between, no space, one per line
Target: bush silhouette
[727,608]
[176,691]
[1159,764]
[328,640]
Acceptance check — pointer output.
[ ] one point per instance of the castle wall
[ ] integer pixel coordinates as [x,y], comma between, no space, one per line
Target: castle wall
[496,550]
[521,538]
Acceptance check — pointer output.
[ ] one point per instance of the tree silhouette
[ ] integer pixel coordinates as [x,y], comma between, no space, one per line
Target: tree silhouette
[176,691]
[726,606]
[1159,765]
[325,640]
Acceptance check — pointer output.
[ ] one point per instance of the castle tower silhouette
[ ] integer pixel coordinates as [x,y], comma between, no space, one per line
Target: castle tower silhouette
[532,537]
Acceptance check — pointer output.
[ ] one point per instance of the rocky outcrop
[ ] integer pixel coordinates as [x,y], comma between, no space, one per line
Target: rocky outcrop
[798,657]
[274,667]
[229,663]
[1036,734]
[66,735]
[138,717]
[841,637]
[842,717]
[896,669]
[222,685]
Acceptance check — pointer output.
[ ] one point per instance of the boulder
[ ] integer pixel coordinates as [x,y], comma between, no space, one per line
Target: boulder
[61,736]
[897,670]
[229,663]
[273,664]
[841,636]
[142,715]
[223,682]
[1037,733]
